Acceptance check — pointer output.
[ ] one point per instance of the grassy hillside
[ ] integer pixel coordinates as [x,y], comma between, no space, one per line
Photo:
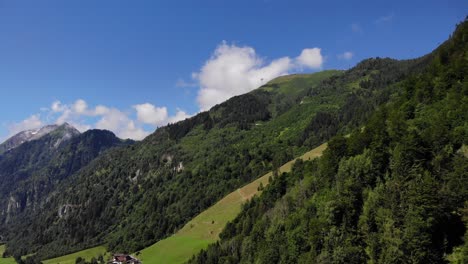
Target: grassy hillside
[393,192]
[204,229]
[197,234]
[131,197]
[8,260]
[87,255]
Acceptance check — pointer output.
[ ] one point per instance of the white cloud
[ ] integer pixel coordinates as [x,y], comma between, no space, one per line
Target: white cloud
[157,116]
[311,58]
[78,113]
[355,27]
[179,116]
[149,114]
[57,106]
[66,115]
[100,110]
[234,70]
[132,124]
[133,132]
[121,124]
[230,71]
[346,55]
[32,122]
[80,106]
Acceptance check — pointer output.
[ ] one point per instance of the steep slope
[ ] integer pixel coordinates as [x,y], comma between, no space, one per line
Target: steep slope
[199,232]
[27,158]
[29,135]
[132,197]
[31,171]
[204,229]
[393,192]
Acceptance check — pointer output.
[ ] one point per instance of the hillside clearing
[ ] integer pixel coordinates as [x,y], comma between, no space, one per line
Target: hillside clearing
[87,254]
[5,260]
[205,228]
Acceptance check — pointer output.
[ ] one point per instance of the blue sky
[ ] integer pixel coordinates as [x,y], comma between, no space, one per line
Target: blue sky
[130,66]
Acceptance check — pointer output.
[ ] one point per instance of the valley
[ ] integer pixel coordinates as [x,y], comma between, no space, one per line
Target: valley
[252,181]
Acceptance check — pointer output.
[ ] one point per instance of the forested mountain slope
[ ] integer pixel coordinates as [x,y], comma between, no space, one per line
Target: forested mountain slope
[25,154]
[32,170]
[204,229]
[132,197]
[393,192]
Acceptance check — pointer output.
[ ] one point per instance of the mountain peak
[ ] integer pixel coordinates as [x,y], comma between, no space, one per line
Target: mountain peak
[66,130]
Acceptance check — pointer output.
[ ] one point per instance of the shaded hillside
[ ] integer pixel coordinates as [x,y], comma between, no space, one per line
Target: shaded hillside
[393,192]
[132,197]
[33,169]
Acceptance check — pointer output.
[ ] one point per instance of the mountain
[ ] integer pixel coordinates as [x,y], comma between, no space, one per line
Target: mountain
[363,196]
[393,191]
[30,172]
[131,197]
[29,135]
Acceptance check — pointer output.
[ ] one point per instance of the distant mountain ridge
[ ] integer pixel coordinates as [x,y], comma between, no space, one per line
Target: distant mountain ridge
[42,160]
[129,198]
[132,196]
[33,134]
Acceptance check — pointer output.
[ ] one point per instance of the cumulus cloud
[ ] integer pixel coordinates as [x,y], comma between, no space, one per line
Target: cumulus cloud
[56,106]
[113,119]
[179,116]
[157,116]
[133,123]
[347,55]
[231,70]
[80,106]
[121,124]
[150,114]
[234,70]
[311,58]
[100,110]
[32,122]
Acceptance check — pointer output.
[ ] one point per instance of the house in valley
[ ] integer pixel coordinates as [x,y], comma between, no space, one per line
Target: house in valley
[124,259]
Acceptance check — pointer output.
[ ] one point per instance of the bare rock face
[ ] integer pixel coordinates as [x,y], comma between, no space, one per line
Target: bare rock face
[67,130]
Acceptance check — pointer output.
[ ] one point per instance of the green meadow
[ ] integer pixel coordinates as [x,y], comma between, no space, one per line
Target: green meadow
[205,228]
[87,254]
[5,260]
[196,235]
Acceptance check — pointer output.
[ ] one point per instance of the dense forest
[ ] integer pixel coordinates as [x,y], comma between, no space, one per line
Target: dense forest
[392,191]
[133,196]
[31,171]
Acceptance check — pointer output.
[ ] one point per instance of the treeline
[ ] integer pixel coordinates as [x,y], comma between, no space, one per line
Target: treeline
[372,82]
[31,171]
[392,192]
[240,111]
[131,197]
